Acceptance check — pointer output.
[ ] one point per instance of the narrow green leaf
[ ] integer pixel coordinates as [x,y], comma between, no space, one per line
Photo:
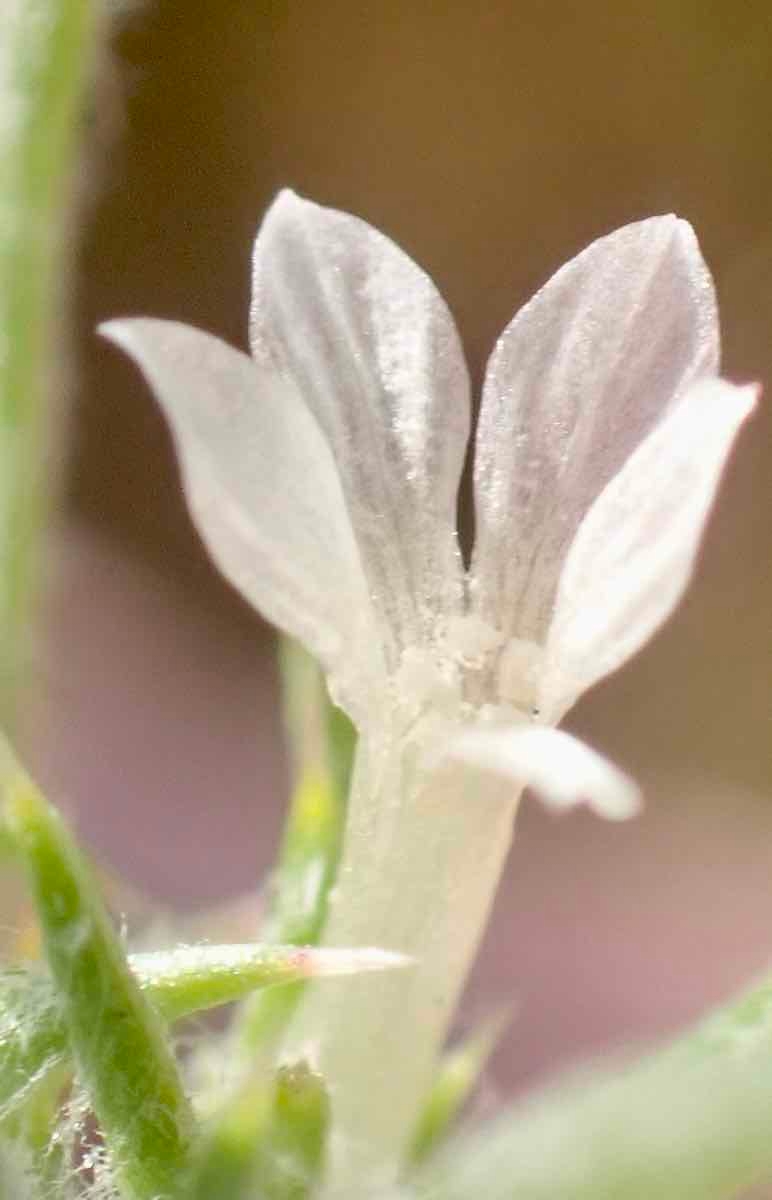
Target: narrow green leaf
[117,1038]
[457,1077]
[321,741]
[191,979]
[179,983]
[341,744]
[306,866]
[44,60]
[678,1125]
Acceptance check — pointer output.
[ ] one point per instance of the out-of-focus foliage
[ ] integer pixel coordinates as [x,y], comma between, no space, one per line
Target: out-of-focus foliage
[44,59]
[458,1075]
[690,1122]
[321,741]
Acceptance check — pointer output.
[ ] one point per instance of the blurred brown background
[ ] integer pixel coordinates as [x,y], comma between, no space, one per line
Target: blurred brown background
[492,142]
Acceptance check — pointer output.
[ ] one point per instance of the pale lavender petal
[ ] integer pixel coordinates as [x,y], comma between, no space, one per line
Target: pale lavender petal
[577,380]
[374,351]
[560,769]
[263,491]
[635,550]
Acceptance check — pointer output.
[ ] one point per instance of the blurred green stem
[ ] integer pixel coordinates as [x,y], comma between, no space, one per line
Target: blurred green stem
[457,1077]
[44,56]
[321,744]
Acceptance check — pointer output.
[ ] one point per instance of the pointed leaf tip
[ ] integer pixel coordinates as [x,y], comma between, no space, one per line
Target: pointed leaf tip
[353,962]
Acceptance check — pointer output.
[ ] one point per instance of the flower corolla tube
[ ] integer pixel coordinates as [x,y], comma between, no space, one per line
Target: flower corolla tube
[322,473]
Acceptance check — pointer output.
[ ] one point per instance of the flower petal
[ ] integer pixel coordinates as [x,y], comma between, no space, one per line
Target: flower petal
[634,552]
[262,489]
[374,351]
[563,771]
[581,375]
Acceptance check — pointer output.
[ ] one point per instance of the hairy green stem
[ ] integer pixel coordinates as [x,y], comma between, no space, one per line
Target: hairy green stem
[117,1038]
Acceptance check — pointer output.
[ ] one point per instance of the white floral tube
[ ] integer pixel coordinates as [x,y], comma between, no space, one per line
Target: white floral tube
[421,863]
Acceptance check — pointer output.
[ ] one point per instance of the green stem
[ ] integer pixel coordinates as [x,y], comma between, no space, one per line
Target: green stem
[117,1038]
[44,56]
[321,749]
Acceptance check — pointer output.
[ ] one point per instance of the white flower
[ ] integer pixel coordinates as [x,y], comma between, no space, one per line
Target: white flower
[323,476]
